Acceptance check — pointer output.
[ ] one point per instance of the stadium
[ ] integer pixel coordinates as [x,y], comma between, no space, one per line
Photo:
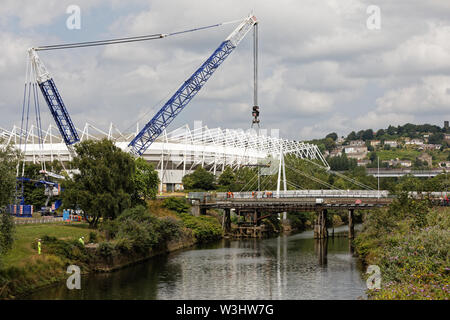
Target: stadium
[175,153]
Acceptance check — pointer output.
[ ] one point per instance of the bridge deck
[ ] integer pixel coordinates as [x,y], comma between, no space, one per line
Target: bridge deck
[295,204]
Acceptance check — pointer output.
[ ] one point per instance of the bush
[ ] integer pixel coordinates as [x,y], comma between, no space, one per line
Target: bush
[70,249]
[170,228]
[105,249]
[178,205]
[204,228]
[411,248]
[137,229]
[92,237]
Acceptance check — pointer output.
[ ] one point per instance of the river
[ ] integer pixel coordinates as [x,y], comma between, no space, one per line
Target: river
[286,267]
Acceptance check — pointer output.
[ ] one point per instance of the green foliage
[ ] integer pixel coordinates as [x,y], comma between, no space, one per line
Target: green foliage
[69,249]
[200,179]
[341,163]
[329,143]
[8,161]
[92,237]
[6,233]
[227,179]
[332,135]
[301,220]
[104,186]
[179,205]
[105,249]
[136,229]
[410,244]
[204,228]
[145,180]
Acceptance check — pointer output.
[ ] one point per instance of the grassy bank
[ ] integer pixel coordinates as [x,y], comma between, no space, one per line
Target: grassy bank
[138,234]
[410,243]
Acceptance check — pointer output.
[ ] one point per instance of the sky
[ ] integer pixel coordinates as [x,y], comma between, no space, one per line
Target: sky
[323,66]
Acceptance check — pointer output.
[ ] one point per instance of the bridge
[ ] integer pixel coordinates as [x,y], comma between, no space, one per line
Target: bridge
[250,206]
[393,173]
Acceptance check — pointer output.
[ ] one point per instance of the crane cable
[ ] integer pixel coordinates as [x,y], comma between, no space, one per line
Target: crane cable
[127,39]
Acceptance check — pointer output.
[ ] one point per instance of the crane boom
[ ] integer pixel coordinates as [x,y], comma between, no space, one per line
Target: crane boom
[189,89]
[53,100]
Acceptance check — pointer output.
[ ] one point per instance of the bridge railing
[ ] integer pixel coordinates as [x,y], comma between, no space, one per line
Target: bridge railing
[290,194]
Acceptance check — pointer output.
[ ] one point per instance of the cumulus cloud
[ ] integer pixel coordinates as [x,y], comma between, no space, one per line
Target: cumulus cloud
[321,69]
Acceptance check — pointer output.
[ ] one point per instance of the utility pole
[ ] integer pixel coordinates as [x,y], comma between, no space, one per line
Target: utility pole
[378,160]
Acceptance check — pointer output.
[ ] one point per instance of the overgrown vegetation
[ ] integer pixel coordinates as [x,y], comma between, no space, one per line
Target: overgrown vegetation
[204,228]
[410,242]
[109,181]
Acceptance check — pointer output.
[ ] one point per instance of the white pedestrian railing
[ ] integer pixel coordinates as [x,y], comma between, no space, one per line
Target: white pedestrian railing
[37,220]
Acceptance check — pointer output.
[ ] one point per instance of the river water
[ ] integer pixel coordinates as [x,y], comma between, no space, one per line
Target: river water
[286,267]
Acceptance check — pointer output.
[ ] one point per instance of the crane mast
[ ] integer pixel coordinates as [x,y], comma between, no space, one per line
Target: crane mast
[53,100]
[189,89]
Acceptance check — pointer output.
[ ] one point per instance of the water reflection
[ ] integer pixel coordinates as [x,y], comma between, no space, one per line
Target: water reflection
[287,267]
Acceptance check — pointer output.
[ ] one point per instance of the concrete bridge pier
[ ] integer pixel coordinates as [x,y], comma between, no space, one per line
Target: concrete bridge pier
[351,223]
[227,221]
[320,225]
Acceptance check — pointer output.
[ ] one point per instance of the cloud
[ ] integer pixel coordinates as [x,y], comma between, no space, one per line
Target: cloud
[321,70]
[432,95]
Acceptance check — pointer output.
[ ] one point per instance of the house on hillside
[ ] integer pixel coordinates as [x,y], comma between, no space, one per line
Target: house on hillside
[391,143]
[447,137]
[336,152]
[430,147]
[363,162]
[356,152]
[416,142]
[401,163]
[375,143]
[426,158]
[357,143]
[444,164]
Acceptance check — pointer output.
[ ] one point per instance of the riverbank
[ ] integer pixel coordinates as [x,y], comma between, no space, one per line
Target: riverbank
[139,235]
[410,244]
[282,267]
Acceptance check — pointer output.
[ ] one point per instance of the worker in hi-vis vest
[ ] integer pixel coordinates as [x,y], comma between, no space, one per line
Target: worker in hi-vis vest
[39,246]
[81,240]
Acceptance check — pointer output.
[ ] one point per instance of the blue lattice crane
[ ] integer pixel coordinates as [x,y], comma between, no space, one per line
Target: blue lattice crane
[53,99]
[189,89]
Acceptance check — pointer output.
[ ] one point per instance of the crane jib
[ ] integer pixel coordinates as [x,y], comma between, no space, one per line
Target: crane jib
[180,99]
[59,112]
[189,89]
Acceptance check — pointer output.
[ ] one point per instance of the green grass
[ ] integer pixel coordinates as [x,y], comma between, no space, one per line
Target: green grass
[25,235]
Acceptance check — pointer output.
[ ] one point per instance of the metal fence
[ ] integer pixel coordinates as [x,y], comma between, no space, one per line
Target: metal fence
[37,220]
[310,194]
[290,194]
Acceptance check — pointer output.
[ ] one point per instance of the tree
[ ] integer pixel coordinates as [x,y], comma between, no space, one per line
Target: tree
[145,180]
[436,138]
[380,133]
[105,182]
[332,135]
[8,161]
[367,135]
[391,130]
[227,178]
[199,179]
[352,136]
[6,232]
[329,144]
